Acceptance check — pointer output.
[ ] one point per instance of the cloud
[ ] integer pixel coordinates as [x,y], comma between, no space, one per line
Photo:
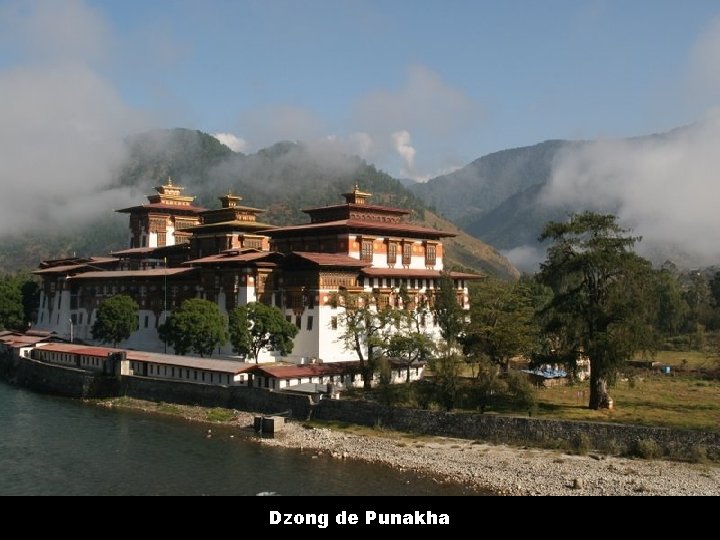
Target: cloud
[401,140]
[425,109]
[425,103]
[664,187]
[379,125]
[62,124]
[51,32]
[267,125]
[236,144]
[704,77]
[525,258]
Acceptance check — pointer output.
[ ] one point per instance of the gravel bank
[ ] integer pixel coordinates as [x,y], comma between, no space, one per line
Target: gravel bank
[507,470]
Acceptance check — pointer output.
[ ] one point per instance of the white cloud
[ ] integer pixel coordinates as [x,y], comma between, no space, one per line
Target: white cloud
[401,141]
[270,124]
[525,258]
[56,31]
[234,143]
[379,125]
[665,188]
[62,123]
[704,76]
[425,103]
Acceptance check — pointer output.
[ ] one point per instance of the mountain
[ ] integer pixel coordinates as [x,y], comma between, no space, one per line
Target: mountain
[284,179]
[490,180]
[505,198]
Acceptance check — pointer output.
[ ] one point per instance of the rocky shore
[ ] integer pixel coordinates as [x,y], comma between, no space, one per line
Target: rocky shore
[499,469]
[507,470]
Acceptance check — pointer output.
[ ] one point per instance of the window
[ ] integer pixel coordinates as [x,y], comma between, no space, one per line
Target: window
[309,322]
[147,321]
[430,254]
[392,253]
[366,250]
[298,321]
[333,323]
[288,318]
[407,253]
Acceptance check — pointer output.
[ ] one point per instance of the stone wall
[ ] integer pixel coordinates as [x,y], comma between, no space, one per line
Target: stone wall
[63,380]
[612,438]
[229,397]
[71,382]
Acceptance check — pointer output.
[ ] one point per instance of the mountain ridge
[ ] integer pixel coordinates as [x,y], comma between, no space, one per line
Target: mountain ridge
[284,178]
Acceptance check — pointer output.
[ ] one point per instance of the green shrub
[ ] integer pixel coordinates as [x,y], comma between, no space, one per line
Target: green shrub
[615,448]
[699,453]
[219,415]
[646,449]
[581,444]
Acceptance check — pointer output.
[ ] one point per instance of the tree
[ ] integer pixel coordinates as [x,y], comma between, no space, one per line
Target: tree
[30,290]
[446,368]
[449,315]
[365,328]
[255,327]
[11,305]
[117,319]
[196,326]
[601,304]
[410,347]
[502,322]
[487,385]
[410,343]
[715,289]
[671,306]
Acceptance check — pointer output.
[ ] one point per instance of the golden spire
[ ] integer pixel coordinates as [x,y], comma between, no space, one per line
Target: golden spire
[356,196]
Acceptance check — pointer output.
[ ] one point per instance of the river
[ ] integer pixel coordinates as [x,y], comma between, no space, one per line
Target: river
[58,446]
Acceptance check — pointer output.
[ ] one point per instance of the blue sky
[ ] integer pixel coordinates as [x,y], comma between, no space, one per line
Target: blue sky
[418,87]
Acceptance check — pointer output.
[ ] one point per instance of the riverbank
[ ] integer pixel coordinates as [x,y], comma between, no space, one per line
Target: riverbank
[487,468]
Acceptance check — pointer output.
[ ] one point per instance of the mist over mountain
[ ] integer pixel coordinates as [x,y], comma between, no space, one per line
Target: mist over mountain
[663,187]
[284,179]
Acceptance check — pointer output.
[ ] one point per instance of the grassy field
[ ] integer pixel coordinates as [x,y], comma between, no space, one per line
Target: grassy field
[689,397]
[689,359]
[659,400]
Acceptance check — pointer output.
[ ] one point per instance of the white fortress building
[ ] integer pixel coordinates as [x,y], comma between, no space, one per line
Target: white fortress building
[179,251]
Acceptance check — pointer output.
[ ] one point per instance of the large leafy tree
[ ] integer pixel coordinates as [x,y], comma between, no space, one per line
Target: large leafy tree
[197,325]
[449,314]
[256,326]
[502,322]
[117,319]
[366,328]
[671,306]
[410,342]
[602,297]
[11,304]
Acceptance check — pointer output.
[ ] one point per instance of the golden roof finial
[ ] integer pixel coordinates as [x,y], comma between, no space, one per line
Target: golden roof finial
[169,180]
